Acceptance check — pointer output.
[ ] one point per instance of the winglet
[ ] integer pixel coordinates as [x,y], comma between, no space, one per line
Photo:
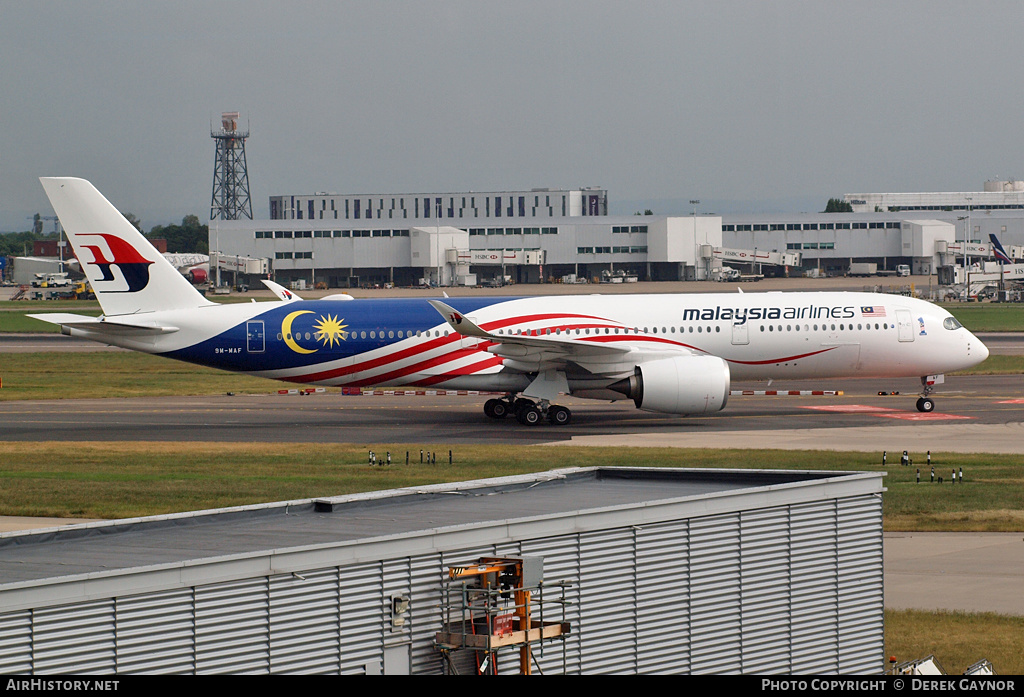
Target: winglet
[280,291]
[458,321]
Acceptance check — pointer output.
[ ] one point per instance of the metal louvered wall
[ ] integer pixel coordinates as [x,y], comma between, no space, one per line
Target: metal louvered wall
[785,589]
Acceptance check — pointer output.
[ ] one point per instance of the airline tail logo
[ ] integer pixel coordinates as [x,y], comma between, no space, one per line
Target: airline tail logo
[1001,256]
[133,268]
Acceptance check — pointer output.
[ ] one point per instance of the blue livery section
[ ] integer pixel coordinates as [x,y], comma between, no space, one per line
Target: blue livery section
[311,332]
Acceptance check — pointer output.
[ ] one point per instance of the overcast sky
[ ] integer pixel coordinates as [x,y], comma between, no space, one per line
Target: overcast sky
[744,105]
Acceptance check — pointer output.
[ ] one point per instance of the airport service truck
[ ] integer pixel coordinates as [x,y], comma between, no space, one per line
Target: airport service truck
[871,269]
[862,269]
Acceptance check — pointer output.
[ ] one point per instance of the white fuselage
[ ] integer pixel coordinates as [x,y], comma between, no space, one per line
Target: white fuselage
[406,342]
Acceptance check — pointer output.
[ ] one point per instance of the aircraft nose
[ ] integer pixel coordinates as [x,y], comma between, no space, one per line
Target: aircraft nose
[977,349]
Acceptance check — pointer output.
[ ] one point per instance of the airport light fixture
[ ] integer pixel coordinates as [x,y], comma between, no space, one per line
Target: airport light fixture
[967,225]
[696,247]
[967,236]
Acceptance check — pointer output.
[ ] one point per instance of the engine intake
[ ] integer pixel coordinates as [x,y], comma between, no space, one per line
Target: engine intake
[680,385]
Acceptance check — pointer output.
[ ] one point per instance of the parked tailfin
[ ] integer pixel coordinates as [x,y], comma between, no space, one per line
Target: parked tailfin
[997,249]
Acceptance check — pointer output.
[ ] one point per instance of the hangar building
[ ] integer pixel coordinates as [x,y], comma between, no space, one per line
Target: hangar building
[661,570]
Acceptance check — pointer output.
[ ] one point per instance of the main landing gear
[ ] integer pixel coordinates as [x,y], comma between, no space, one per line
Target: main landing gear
[527,411]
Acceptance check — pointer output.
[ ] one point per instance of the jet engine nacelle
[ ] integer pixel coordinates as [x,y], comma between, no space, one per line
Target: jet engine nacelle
[680,385]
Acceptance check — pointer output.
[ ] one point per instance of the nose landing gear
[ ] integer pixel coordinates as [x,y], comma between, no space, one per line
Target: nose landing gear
[926,404]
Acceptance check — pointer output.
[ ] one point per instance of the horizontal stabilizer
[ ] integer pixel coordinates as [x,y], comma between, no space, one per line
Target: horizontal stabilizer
[120,325]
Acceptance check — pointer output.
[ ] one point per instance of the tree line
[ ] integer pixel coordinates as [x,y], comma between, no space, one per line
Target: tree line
[189,237]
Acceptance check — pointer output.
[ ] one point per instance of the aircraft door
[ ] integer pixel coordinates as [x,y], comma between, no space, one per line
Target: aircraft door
[740,334]
[255,338]
[904,325]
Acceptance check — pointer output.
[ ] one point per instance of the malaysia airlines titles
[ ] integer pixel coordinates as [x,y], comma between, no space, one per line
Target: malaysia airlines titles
[743,314]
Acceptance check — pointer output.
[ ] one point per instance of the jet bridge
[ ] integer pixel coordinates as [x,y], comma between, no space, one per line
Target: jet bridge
[755,256]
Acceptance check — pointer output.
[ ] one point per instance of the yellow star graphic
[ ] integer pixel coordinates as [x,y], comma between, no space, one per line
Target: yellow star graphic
[330,330]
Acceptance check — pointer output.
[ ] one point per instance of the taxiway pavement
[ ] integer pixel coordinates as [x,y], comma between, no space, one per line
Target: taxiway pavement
[973,414]
[930,571]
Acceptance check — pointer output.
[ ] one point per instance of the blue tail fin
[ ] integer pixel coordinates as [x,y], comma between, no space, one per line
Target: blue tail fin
[1001,256]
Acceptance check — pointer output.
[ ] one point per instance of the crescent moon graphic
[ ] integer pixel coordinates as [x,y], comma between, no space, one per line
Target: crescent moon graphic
[286,332]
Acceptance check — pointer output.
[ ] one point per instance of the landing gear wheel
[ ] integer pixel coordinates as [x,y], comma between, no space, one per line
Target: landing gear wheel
[496,408]
[926,405]
[559,416]
[521,403]
[529,415]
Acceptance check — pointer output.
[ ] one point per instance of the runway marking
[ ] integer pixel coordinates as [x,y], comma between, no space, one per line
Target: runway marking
[850,408]
[912,416]
[786,393]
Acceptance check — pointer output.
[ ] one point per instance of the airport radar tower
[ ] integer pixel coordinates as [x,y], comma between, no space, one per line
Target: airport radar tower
[230,200]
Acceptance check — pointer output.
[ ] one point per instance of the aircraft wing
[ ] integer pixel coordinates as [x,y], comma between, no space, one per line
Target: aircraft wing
[551,355]
[522,345]
[126,324]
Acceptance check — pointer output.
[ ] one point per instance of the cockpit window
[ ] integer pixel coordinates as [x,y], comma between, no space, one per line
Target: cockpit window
[951,323]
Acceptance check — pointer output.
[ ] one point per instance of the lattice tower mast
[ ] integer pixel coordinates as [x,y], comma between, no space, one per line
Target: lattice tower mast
[230,199]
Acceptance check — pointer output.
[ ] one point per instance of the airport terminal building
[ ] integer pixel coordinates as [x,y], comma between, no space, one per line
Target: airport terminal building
[535,203]
[566,235]
[445,251]
[996,195]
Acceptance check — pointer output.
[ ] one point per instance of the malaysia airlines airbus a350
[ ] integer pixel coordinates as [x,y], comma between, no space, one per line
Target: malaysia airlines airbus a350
[674,354]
